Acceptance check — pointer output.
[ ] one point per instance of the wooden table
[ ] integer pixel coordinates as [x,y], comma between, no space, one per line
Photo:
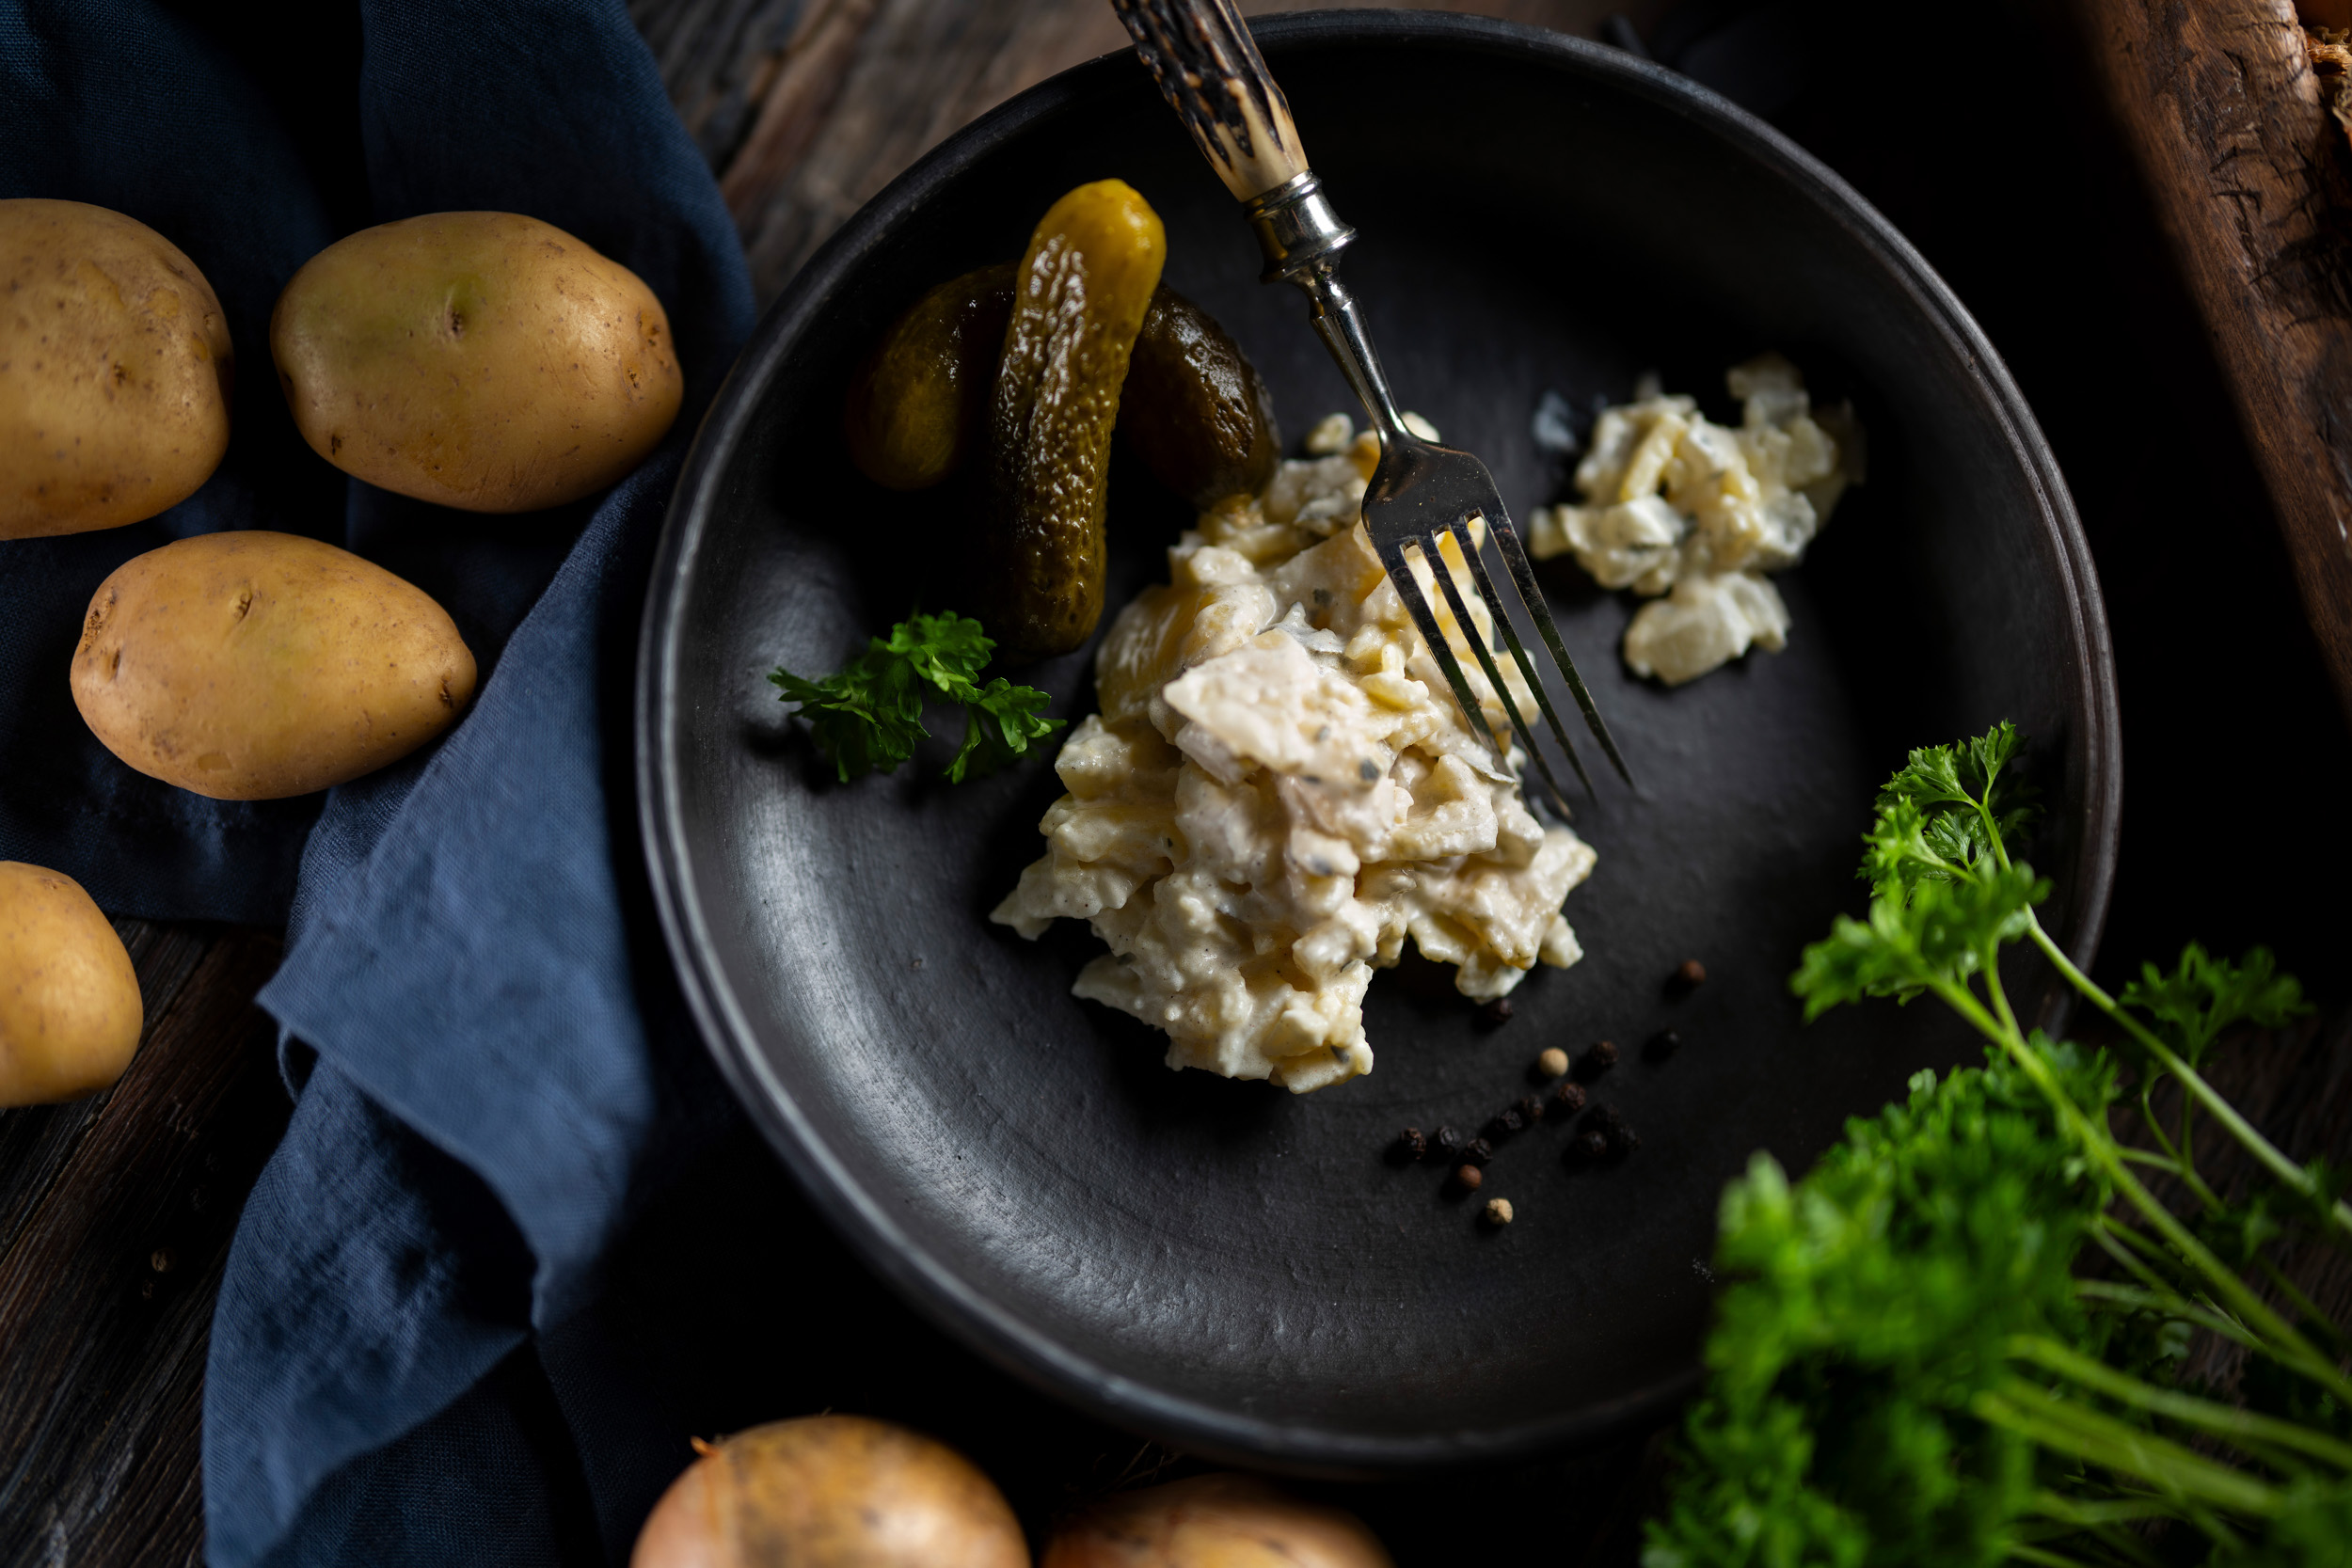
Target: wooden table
[115,1213]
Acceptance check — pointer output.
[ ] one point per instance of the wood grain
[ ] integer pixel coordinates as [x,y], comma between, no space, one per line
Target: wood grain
[115,1214]
[806,108]
[2253,181]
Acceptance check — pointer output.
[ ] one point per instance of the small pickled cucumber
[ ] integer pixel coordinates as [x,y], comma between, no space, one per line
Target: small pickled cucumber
[1194,409]
[1083,289]
[917,405]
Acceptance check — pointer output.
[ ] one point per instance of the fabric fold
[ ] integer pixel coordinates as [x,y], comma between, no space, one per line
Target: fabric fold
[482,1103]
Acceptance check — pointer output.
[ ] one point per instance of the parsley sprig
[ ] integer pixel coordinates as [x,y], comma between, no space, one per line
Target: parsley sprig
[1960,1340]
[868,716]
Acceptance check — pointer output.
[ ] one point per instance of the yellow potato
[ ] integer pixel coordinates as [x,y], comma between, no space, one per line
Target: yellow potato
[69,1013]
[831,1492]
[247,666]
[482,361]
[114,371]
[1218,1521]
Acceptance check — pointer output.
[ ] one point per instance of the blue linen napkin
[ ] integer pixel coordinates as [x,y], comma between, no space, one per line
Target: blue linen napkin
[491,1073]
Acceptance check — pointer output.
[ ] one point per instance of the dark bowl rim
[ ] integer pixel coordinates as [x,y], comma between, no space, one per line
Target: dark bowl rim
[999,1335]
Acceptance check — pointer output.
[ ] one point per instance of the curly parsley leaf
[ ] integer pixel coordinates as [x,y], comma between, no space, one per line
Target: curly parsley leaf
[1001,719]
[1910,1368]
[1940,933]
[1873,1303]
[1945,809]
[2206,995]
[868,716]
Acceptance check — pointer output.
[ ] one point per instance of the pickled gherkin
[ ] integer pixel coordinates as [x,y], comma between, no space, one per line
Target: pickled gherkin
[918,405]
[1194,409]
[1081,294]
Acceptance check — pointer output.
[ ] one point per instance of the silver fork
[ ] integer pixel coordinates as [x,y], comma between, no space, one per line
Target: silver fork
[1209,70]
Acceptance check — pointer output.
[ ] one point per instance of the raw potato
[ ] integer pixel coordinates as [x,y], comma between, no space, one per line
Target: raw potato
[249,666]
[1223,1521]
[831,1492]
[482,361]
[69,1013]
[115,369]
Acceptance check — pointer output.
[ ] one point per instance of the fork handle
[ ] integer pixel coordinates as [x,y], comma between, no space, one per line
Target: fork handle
[1209,70]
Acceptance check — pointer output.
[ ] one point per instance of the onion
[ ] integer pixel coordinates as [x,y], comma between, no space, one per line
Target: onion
[1222,1521]
[831,1492]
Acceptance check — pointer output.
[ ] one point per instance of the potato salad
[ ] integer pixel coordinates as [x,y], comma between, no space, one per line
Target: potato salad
[1692,515]
[1279,790]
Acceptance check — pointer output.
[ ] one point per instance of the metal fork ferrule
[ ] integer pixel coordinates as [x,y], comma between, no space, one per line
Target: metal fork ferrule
[1297,229]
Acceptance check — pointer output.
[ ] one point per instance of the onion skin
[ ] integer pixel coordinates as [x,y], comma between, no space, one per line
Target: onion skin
[1221,1521]
[832,1492]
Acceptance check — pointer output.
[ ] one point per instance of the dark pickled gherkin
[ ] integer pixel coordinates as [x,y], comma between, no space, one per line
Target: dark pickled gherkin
[1082,291]
[1194,409]
[918,405]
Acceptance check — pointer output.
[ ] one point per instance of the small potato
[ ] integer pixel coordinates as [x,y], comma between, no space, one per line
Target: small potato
[1222,1521]
[831,1492]
[114,371]
[247,666]
[69,1013]
[481,360]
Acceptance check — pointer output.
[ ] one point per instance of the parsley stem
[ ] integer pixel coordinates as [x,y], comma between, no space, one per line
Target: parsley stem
[2099,1144]
[2106,1511]
[2025,1553]
[2289,1174]
[2170,1302]
[2205,1414]
[2175,1158]
[2061,1425]
[2319,1320]
[2103,1520]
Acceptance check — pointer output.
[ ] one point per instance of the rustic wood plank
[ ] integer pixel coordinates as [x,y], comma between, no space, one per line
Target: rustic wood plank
[808,107]
[36,1141]
[117,1213]
[2253,181]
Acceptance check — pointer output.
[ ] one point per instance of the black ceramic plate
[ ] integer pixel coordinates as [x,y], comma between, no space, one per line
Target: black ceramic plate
[1223,1264]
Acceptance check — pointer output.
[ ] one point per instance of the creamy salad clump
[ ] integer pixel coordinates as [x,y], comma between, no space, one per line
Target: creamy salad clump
[1280,789]
[1693,515]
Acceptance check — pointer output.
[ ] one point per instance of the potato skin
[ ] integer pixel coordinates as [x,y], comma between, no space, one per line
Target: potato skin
[481,360]
[1221,1521]
[70,1012]
[832,1492]
[114,371]
[247,666]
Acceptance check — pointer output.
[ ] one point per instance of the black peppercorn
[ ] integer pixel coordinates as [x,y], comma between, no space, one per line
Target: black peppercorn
[1531,1109]
[1568,1098]
[1496,1012]
[1608,1118]
[1477,1151]
[1448,1143]
[1590,1145]
[1623,1140]
[1663,1044]
[1501,1127]
[1409,1146]
[1598,1058]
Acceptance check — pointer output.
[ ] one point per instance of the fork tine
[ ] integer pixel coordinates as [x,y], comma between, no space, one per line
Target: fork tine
[1443,574]
[1400,571]
[1531,594]
[1519,653]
